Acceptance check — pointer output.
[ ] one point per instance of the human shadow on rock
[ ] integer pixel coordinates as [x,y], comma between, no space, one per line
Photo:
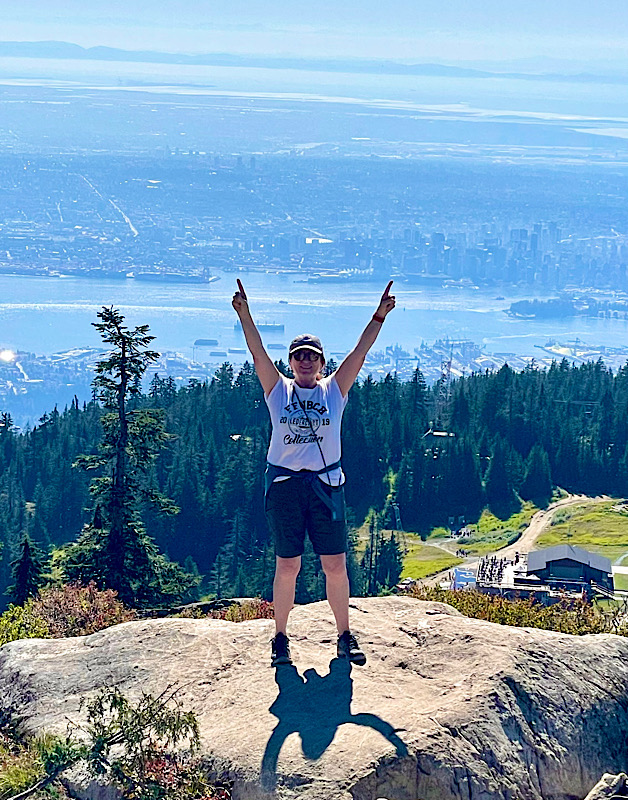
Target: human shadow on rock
[315,706]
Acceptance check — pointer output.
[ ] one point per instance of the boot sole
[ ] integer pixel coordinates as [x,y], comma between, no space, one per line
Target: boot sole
[277,662]
[359,660]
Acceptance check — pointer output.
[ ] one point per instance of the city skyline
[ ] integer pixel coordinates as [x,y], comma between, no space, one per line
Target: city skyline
[128,175]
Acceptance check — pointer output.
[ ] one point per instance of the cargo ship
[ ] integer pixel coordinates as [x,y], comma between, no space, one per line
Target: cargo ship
[171,277]
[266,327]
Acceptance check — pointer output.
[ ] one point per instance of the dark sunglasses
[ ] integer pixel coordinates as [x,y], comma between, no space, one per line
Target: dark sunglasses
[305,355]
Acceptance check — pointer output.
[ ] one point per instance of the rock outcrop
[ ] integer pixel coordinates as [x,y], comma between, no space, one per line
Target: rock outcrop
[447,707]
[609,787]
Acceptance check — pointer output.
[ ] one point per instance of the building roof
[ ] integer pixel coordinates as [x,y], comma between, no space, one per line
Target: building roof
[539,559]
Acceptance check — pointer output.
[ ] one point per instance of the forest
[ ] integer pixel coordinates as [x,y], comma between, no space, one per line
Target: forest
[415,457]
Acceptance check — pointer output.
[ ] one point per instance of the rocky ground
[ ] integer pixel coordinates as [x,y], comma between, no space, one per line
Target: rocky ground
[447,707]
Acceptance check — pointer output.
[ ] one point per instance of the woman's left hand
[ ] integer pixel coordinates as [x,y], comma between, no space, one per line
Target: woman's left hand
[387,302]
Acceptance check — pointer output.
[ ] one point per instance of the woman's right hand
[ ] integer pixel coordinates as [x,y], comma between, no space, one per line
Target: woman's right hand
[240,302]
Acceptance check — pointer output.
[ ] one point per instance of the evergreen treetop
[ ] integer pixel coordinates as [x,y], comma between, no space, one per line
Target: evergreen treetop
[27,572]
[114,549]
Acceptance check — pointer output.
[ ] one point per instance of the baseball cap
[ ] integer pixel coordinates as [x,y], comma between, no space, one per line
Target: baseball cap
[305,341]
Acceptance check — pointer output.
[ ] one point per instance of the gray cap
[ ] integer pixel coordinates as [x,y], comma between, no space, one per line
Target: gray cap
[305,341]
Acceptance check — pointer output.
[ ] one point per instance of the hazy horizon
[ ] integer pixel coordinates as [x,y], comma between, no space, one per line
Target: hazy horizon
[455,33]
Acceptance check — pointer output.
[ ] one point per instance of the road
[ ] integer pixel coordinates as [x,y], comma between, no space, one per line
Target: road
[525,543]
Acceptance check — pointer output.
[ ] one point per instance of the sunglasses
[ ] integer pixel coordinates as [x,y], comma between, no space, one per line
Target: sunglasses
[305,355]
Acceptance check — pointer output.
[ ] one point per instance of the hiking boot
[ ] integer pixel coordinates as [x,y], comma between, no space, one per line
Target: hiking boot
[348,647]
[280,650]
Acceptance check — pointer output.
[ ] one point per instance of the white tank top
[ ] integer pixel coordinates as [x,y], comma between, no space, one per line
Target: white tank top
[293,443]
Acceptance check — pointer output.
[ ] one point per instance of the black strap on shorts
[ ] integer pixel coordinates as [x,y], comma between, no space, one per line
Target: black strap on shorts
[310,475]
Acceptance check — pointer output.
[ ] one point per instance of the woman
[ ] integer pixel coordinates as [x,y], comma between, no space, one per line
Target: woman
[304,478]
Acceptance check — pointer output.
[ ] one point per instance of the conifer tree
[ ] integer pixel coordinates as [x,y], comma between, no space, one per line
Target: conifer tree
[7,440]
[389,563]
[231,558]
[576,414]
[410,489]
[537,483]
[500,490]
[114,549]
[622,474]
[310,584]
[163,390]
[354,568]
[461,413]
[27,572]
[13,520]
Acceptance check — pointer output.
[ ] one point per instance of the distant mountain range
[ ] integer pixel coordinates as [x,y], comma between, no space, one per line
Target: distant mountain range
[66,50]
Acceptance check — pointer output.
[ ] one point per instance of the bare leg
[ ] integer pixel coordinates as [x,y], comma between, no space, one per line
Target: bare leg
[337,583]
[286,571]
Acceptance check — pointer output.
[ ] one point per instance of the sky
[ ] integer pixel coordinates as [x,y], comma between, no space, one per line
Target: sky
[454,31]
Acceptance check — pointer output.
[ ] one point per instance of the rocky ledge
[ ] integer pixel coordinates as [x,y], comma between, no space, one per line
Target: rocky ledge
[447,707]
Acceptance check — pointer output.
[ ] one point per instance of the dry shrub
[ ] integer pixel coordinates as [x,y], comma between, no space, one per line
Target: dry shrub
[577,617]
[192,613]
[256,608]
[76,610]
[251,609]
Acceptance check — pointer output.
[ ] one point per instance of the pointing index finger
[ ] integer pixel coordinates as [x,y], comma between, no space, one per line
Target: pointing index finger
[241,288]
[387,289]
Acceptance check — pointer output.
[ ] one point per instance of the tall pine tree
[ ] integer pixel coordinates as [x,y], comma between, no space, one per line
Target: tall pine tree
[537,483]
[27,572]
[114,549]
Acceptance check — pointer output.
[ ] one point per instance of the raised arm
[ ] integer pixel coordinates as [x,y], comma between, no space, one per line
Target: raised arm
[351,365]
[267,372]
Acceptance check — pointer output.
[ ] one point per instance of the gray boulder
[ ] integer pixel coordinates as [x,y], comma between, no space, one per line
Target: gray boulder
[609,787]
[447,707]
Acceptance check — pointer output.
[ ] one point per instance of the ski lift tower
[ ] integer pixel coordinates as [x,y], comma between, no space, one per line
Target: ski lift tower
[438,435]
[395,508]
[443,391]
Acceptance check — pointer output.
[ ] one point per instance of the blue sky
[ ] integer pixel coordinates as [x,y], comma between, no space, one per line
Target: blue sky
[419,30]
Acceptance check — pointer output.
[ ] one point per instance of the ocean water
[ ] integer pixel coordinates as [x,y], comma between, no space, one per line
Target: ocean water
[535,99]
[48,315]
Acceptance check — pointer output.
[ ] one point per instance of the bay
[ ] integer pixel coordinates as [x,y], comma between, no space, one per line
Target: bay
[594,104]
[48,315]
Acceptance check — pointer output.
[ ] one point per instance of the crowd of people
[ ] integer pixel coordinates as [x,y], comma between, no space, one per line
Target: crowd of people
[491,569]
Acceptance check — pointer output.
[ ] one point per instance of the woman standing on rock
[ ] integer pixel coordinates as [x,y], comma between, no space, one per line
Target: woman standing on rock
[304,479]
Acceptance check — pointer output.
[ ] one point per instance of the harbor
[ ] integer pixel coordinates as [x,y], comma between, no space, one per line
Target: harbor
[47,334]
[31,384]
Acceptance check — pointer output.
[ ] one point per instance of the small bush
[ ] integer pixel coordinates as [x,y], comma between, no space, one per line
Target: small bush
[256,608]
[76,610]
[19,622]
[192,613]
[18,773]
[148,748]
[253,609]
[561,516]
[57,612]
